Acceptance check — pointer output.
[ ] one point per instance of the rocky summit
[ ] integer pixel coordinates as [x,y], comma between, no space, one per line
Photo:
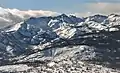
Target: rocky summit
[62,44]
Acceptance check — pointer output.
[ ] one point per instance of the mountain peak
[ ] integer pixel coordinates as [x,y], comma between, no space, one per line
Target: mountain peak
[64,15]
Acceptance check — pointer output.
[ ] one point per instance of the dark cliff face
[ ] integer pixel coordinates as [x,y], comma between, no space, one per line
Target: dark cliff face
[47,37]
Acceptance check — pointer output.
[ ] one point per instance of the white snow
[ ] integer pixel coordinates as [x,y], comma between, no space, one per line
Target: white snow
[15,27]
[96,25]
[51,64]
[66,32]
[113,29]
[14,68]
[52,22]
[9,49]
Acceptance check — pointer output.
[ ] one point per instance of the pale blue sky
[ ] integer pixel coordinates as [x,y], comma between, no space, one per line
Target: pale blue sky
[52,5]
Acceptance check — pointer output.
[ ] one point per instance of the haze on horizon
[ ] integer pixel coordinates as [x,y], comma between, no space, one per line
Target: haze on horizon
[77,7]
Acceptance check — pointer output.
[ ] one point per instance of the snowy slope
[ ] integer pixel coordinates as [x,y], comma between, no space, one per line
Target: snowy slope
[94,39]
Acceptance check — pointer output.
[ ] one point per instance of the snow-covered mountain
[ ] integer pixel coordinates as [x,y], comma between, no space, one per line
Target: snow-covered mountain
[94,39]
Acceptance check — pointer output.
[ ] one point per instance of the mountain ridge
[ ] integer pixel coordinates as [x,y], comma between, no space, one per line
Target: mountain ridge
[57,38]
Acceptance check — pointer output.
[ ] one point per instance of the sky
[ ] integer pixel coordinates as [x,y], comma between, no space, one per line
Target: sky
[79,7]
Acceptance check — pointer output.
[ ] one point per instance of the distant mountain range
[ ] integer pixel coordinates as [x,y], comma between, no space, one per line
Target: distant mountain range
[94,39]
